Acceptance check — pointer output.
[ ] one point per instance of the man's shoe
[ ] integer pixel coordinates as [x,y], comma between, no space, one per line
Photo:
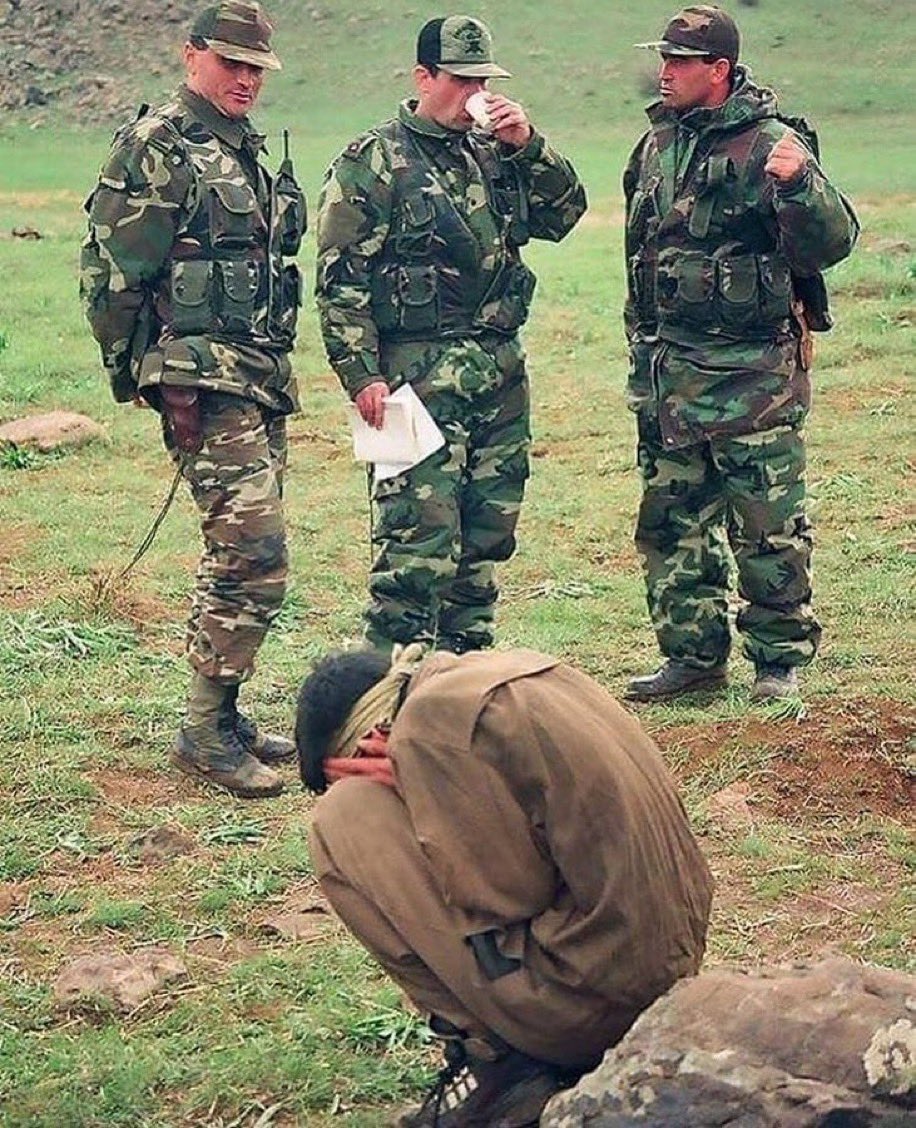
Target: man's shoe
[510,1092]
[674,678]
[238,772]
[773,681]
[268,747]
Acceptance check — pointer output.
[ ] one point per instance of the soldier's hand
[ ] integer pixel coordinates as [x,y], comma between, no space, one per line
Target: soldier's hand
[370,403]
[508,120]
[787,161]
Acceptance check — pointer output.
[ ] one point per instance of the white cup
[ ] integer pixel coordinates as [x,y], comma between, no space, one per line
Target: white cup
[476,106]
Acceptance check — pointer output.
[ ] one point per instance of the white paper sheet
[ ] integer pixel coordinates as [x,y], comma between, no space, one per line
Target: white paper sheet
[408,435]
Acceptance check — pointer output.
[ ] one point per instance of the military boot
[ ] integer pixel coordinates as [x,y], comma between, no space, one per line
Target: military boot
[674,678]
[268,747]
[208,746]
[774,681]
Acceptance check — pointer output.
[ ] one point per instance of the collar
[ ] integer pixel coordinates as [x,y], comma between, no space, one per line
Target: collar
[236,132]
[426,127]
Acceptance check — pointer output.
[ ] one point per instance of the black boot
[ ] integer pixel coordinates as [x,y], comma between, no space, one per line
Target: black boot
[674,678]
[503,1089]
[207,745]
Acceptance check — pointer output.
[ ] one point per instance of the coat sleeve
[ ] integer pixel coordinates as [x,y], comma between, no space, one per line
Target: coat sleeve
[354,217]
[142,197]
[556,195]
[817,225]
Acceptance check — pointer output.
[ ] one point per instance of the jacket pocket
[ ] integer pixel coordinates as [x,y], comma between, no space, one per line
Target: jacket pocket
[233,215]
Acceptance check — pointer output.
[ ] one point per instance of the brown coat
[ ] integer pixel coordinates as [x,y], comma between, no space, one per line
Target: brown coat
[548,813]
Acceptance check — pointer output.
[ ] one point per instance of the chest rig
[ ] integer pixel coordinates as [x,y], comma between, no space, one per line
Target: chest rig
[226,271]
[450,265]
[702,250]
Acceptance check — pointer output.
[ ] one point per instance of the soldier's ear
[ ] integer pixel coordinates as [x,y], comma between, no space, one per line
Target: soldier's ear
[422,78]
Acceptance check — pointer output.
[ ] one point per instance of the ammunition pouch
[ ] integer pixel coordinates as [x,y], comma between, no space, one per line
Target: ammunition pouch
[740,293]
[415,299]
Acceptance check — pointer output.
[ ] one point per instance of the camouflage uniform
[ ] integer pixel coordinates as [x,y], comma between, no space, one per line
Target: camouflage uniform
[420,280]
[717,379]
[184,284]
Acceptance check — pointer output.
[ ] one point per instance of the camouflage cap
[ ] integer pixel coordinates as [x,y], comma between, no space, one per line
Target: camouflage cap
[239,30]
[459,45]
[700,30]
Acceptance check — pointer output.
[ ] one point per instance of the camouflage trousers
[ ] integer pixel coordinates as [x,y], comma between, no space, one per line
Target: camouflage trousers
[741,498]
[440,527]
[236,480]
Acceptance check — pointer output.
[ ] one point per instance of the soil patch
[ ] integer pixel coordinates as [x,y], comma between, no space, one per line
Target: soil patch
[837,761]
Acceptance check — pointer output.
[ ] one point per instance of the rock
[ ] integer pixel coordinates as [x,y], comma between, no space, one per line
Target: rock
[160,843]
[826,1046]
[122,980]
[26,233]
[52,431]
[308,920]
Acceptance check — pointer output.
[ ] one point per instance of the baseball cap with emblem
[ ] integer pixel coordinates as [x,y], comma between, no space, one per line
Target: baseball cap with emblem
[458,45]
[700,30]
[238,30]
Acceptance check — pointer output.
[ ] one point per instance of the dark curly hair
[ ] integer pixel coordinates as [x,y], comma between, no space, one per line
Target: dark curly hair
[325,698]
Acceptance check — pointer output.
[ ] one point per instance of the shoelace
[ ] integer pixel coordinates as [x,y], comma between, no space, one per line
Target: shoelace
[454,1085]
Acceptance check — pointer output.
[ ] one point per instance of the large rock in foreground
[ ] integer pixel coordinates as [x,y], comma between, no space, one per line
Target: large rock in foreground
[826,1046]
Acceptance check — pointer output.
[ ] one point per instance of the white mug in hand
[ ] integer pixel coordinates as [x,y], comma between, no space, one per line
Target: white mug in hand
[476,106]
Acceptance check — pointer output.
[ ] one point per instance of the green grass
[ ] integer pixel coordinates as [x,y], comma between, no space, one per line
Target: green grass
[92,679]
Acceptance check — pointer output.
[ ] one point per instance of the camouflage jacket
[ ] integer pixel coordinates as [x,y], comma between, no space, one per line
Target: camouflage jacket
[182,273]
[419,230]
[712,246]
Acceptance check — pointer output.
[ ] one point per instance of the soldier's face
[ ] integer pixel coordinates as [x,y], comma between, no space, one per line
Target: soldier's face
[442,97]
[685,82]
[231,86]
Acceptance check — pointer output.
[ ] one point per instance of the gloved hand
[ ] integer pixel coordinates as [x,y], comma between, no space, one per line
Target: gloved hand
[181,407]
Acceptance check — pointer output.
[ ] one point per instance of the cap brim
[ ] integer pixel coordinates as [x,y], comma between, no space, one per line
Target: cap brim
[267,60]
[665,48]
[474,70]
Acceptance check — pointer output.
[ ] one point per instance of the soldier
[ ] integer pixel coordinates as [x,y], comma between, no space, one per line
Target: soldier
[506,841]
[420,281]
[186,289]
[729,219]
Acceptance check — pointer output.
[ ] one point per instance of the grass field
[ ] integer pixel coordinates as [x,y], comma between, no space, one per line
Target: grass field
[807,819]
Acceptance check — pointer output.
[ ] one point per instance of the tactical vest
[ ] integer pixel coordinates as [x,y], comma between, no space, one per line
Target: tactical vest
[430,278]
[226,271]
[710,263]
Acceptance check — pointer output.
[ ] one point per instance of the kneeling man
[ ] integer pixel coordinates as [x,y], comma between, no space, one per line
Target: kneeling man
[507,842]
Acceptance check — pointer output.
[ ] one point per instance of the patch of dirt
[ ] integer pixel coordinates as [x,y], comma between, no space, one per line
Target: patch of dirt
[836,761]
[138,787]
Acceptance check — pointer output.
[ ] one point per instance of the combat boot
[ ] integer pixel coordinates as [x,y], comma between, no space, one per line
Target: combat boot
[268,747]
[509,1091]
[773,681]
[208,746]
[674,678]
